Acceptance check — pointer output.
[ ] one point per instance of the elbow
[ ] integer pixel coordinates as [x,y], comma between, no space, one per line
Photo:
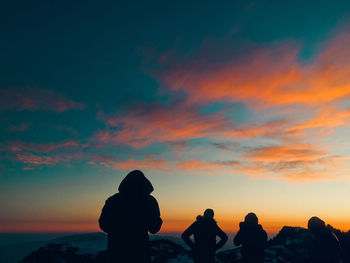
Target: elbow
[156,226]
[185,237]
[103,225]
[236,242]
[223,238]
[265,238]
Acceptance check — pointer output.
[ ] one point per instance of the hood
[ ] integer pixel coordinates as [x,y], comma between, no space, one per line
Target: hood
[204,219]
[251,219]
[135,183]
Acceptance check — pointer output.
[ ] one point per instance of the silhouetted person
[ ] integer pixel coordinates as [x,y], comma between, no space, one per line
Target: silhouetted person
[204,230]
[253,239]
[326,247]
[128,216]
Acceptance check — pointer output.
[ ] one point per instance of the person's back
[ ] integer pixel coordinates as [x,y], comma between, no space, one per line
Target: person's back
[253,238]
[128,216]
[325,247]
[204,231]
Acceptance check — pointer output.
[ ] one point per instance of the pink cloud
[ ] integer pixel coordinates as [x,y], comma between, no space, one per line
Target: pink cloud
[21,127]
[34,159]
[291,153]
[207,166]
[29,98]
[327,117]
[298,163]
[45,153]
[140,128]
[43,147]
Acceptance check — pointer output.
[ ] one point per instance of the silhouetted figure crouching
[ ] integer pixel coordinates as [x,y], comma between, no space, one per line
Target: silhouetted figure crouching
[204,230]
[128,216]
[253,239]
[325,247]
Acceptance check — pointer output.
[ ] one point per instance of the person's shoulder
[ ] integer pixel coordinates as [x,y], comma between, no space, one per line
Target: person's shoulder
[205,223]
[333,236]
[151,199]
[112,198]
[261,230]
[218,228]
[260,227]
[194,226]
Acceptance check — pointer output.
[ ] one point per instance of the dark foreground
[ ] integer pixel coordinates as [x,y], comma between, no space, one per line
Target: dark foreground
[290,245]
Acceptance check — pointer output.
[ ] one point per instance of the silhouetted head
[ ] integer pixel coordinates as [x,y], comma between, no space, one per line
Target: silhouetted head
[251,218]
[315,224]
[136,183]
[209,213]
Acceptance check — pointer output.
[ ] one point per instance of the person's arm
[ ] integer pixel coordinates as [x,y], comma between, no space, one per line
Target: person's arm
[186,236]
[238,238]
[263,236]
[223,238]
[105,217]
[336,246]
[154,222]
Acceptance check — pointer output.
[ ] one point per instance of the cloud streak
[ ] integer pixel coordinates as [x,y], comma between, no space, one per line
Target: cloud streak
[38,154]
[33,99]
[148,125]
[129,164]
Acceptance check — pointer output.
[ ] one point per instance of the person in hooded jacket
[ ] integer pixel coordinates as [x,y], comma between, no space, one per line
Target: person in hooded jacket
[128,216]
[325,247]
[253,239]
[204,230]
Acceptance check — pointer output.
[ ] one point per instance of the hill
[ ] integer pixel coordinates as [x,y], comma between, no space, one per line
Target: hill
[289,246]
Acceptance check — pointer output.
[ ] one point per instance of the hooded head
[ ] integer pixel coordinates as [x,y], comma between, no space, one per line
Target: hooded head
[208,216]
[135,183]
[315,224]
[251,219]
[209,213]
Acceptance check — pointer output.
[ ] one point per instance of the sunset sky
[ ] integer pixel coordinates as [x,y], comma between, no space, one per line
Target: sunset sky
[241,106]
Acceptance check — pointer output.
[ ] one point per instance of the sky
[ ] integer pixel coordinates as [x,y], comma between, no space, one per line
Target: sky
[238,106]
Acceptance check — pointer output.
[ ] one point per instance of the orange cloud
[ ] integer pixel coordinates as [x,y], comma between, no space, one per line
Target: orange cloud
[256,77]
[208,166]
[174,125]
[286,153]
[326,117]
[268,129]
[299,163]
[166,124]
[268,76]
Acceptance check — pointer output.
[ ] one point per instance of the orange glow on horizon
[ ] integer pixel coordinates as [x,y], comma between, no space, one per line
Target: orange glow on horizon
[271,226]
